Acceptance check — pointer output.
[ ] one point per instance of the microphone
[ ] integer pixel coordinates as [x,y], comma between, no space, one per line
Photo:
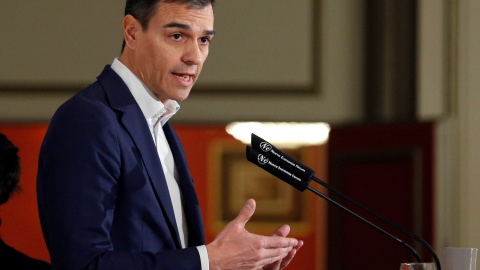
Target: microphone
[269,158]
[296,180]
[272,152]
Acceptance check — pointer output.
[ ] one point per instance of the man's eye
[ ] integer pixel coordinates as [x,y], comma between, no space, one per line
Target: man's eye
[205,40]
[176,36]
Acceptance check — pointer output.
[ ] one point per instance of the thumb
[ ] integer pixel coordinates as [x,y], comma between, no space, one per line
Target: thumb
[246,213]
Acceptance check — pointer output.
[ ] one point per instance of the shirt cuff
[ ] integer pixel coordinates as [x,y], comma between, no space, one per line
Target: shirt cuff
[202,251]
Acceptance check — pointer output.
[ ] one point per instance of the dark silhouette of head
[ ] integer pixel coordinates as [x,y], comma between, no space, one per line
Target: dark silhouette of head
[9,169]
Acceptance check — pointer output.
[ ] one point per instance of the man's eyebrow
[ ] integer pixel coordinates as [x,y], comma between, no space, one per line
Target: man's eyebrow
[177,25]
[209,32]
[187,27]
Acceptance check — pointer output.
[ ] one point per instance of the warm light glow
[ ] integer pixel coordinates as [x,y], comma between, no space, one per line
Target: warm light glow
[285,135]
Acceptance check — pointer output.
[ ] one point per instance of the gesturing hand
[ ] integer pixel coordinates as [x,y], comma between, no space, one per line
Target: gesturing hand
[280,264]
[236,248]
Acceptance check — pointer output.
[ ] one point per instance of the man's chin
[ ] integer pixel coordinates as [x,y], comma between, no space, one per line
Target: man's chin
[181,96]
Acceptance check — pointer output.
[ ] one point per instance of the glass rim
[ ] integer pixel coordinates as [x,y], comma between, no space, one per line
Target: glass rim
[417,263]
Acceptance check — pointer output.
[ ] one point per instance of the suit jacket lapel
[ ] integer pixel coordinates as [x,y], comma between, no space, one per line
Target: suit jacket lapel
[121,99]
[196,234]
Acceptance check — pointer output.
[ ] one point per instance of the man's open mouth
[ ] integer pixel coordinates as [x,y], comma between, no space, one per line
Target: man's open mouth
[184,77]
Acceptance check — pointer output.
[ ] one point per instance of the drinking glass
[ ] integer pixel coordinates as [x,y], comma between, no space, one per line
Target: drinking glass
[459,258]
[418,266]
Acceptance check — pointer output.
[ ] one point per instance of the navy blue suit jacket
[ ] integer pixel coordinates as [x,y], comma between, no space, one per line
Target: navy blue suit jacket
[102,195]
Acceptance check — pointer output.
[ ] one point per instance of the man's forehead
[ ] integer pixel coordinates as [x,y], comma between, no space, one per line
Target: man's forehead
[189,4]
[186,6]
[180,15]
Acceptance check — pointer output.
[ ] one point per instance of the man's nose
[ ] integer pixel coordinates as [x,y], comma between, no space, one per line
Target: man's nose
[193,54]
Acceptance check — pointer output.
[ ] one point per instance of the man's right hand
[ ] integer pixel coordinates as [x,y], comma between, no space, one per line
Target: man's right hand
[236,248]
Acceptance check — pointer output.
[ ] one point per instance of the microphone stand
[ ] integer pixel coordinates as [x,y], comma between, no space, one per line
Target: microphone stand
[419,239]
[279,168]
[307,175]
[414,252]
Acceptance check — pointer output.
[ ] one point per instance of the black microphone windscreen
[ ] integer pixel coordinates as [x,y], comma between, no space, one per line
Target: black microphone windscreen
[283,173]
[285,160]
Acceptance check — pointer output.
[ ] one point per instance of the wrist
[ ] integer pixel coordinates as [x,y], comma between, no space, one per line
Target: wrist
[211,257]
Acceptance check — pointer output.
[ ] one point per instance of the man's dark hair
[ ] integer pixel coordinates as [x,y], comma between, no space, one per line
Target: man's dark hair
[143,10]
[9,168]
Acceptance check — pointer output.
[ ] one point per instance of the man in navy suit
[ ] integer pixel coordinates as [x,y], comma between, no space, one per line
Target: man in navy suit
[114,189]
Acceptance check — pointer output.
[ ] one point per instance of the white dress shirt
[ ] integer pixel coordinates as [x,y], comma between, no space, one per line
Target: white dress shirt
[157,114]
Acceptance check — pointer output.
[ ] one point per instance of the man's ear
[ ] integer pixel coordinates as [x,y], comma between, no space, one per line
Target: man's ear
[130,29]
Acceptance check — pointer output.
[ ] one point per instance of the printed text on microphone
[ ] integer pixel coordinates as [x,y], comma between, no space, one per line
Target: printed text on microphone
[288,161]
[284,171]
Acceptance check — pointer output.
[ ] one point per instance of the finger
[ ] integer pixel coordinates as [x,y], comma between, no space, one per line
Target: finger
[283,231]
[280,263]
[274,242]
[300,244]
[263,258]
[274,263]
[283,263]
[290,256]
[273,266]
[270,256]
[245,213]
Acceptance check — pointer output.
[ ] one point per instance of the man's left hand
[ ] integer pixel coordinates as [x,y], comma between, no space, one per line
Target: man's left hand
[283,231]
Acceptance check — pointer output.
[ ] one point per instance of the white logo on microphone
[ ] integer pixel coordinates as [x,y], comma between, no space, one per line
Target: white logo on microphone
[265,146]
[262,159]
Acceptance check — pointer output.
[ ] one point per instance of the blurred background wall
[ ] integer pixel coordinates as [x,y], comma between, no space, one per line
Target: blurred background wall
[345,62]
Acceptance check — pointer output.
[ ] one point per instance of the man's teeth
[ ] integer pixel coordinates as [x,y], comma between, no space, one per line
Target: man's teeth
[183,77]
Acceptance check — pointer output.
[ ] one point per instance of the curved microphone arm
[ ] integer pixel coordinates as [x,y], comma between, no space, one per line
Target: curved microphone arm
[414,252]
[419,239]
